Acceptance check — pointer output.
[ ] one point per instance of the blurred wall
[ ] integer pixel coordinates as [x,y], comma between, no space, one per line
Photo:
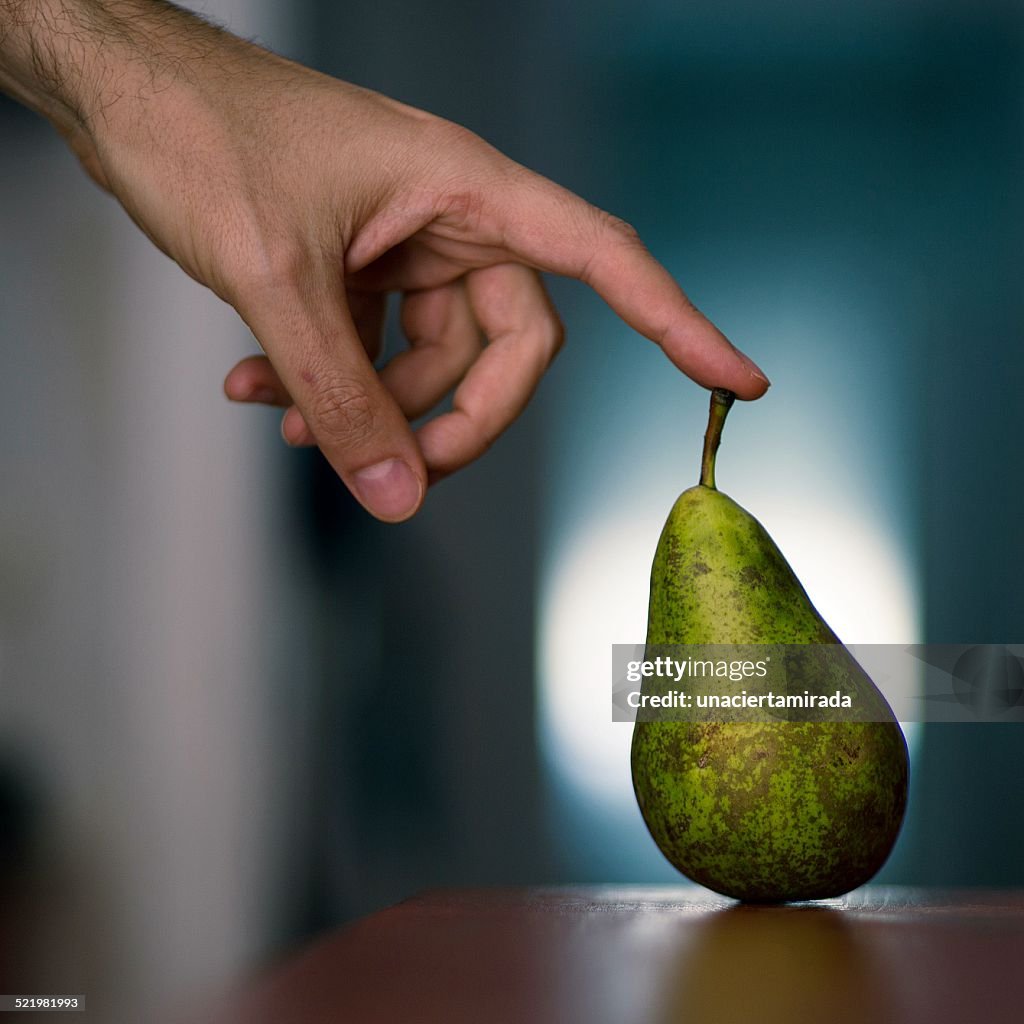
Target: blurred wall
[427,772]
[142,605]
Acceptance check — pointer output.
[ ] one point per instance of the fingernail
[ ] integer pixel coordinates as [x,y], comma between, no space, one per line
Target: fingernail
[754,370]
[266,396]
[390,489]
[284,435]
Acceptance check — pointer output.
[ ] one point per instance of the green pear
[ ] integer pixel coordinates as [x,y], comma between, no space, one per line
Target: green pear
[772,809]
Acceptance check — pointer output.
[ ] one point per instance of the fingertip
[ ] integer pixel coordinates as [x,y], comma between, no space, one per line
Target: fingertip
[294,431]
[755,385]
[253,380]
[285,426]
[390,490]
[746,386]
[234,389]
[698,348]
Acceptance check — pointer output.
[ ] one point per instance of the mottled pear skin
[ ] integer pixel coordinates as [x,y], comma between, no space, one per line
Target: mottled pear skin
[760,811]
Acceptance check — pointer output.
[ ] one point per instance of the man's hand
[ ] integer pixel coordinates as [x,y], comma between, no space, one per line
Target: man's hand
[303,200]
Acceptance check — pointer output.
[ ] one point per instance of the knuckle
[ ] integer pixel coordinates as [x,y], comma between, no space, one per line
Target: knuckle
[610,237]
[343,412]
[253,275]
[549,333]
[274,267]
[255,260]
[557,336]
[466,171]
[622,231]
[449,136]
[462,206]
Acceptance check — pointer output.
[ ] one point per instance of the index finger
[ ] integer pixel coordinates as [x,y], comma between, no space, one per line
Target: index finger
[553,229]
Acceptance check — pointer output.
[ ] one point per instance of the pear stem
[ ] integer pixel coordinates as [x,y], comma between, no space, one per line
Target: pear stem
[721,403]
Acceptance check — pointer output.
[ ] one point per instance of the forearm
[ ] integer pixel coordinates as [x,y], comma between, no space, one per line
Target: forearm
[74,60]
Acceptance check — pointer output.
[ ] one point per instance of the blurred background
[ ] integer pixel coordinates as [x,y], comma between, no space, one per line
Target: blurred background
[235,711]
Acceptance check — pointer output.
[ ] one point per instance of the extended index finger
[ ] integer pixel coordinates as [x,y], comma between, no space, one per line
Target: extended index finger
[553,229]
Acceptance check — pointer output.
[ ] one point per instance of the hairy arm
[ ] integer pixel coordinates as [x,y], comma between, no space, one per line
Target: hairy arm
[303,201]
[68,59]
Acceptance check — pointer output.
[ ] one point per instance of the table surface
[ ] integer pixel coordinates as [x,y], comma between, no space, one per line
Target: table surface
[658,956]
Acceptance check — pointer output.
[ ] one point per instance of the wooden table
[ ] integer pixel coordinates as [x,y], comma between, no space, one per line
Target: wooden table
[656,956]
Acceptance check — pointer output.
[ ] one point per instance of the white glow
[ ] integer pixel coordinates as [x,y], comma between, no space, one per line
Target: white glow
[596,592]
[596,595]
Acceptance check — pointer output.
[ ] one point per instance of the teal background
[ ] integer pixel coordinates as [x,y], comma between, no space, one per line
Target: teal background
[235,711]
[839,189]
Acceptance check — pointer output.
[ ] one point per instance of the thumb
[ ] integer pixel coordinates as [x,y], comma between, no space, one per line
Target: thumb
[316,351]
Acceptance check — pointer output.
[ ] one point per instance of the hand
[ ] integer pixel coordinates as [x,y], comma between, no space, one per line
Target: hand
[303,200]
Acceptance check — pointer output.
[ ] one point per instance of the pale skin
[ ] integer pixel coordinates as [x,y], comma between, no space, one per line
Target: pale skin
[303,201]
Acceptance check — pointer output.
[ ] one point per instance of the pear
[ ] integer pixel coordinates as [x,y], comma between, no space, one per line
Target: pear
[773,809]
